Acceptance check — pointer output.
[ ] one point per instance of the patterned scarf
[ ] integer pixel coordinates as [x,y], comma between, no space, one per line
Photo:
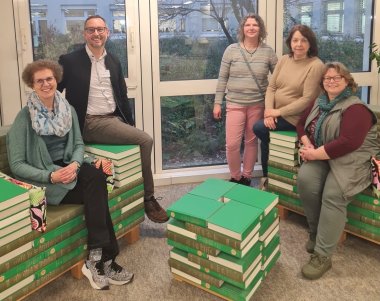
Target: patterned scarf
[325,106]
[57,123]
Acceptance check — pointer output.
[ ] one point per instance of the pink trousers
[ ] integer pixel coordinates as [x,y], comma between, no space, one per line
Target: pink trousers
[239,123]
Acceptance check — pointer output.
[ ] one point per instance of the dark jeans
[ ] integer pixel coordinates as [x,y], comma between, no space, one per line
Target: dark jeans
[262,132]
[91,190]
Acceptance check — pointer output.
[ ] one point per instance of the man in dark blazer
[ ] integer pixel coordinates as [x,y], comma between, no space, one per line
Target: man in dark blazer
[96,88]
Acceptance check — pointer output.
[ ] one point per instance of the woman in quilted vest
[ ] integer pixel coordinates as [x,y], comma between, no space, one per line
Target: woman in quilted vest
[339,135]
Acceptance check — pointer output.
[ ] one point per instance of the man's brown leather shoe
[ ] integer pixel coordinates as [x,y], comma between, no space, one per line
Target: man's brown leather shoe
[154,211]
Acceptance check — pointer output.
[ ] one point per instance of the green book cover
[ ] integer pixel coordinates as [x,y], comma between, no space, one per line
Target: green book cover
[290,136]
[241,266]
[283,149]
[23,205]
[279,178]
[227,291]
[236,219]
[271,264]
[264,200]
[272,245]
[292,162]
[279,165]
[118,194]
[272,231]
[364,205]
[129,220]
[362,211]
[279,190]
[24,214]
[112,151]
[127,173]
[123,200]
[359,224]
[194,209]
[271,257]
[367,199]
[192,243]
[127,207]
[362,233]
[268,220]
[281,172]
[363,218]
[289,199]
[122,168]
[27,250]
[11,194]
[213,189]
[195,272]
[28,267]
[284,185]
[216,236]
[280,154]
[127,180]
[185,248]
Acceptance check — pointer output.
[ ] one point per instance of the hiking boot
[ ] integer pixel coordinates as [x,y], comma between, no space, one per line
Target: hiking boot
[154,211]
[310,245]
[116,274]
[317,266]
[245,181]
[263,184]
[94,271]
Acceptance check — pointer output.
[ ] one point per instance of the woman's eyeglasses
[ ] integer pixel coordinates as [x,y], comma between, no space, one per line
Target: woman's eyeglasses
[41,81]
[336,78]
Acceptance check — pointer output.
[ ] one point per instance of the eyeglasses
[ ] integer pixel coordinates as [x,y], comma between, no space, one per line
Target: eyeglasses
[41,81]
[91,30]
[336,78]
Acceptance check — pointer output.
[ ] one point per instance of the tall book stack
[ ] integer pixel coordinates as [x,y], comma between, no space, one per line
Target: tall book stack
[363,213]
[224,237]
[283,166]
[35,258]
[126,160]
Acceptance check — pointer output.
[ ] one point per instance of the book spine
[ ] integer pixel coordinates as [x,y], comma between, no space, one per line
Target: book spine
[31,266]
[366,206]
[213,235]
[276,189]
[363,226]
[195,273]
[282,179]
[132,193]
[362,232]
[192,243]
[283,173]
[368,199]
[19,258]
[217,268]
[292,169]
[362,211]
[363,219]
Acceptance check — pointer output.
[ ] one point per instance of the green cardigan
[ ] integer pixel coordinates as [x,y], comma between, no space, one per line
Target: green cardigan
[29,158]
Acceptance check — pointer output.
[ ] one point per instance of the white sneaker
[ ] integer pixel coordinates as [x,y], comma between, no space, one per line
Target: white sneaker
[116,274]
[94,271]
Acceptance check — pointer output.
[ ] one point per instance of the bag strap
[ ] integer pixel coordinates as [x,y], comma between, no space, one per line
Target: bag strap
[253,74]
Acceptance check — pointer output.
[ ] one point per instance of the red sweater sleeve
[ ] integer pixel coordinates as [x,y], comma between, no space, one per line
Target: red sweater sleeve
[300,127]
[356,121]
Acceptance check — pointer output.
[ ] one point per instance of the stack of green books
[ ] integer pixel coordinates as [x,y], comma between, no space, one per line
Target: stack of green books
[224,241]
[283,166]
[363,215]
[14,212]
[126,160]
[34,258]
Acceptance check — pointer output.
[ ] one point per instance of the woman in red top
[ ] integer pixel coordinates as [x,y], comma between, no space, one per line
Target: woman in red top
[338,134]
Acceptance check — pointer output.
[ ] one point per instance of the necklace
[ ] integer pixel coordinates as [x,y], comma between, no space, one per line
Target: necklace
[251,53]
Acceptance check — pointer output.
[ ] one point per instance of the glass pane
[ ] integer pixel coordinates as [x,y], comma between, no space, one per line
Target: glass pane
[57,27]
[190,135]
[194,34]
[343,28]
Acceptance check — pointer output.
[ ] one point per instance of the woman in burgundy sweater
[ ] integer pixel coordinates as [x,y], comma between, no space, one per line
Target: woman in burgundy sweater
[338,134]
